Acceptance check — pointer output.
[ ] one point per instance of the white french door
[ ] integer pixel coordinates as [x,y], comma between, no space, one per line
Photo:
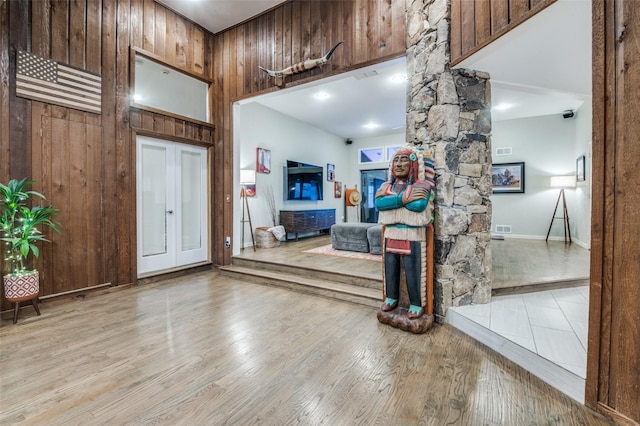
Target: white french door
[171,204]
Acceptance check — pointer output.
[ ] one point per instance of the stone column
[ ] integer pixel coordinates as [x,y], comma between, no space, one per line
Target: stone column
[448,112]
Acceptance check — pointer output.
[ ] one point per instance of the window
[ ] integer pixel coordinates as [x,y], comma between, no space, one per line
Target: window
[370,155]
[161,87]
[390,150]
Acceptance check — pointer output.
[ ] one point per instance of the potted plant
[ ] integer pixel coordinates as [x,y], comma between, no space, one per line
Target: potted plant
[19,227]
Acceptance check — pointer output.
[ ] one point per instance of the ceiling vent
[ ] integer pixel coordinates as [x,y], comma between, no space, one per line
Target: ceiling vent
[367,74]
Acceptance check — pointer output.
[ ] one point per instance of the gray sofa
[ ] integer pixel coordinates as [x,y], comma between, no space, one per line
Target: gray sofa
[361,237]
[374,236]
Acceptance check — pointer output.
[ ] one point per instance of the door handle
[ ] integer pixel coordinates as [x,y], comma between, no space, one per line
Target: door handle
[169,212]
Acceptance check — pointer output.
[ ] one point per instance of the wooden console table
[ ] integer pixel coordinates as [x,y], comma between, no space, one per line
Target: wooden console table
[297,221]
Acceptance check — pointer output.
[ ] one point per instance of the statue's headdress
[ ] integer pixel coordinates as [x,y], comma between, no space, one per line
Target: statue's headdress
[421,164]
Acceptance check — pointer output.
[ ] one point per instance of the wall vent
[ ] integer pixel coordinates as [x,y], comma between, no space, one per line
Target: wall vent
[504,151]
[503,229]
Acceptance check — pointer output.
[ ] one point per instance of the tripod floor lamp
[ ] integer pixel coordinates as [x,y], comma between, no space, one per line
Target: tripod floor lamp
[247,177]
[562,182]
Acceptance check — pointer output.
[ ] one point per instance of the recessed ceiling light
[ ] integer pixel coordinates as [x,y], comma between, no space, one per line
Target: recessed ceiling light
[398,78]
[137,97]
[370,125]
[321,95]
[502,106]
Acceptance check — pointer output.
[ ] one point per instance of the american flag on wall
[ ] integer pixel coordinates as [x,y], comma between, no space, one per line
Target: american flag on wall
[47,81]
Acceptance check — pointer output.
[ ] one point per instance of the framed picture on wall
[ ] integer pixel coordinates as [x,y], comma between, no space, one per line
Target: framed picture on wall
[263,160]
[331,172]
[249,190]
[508,178]
[337,189]
[580,169]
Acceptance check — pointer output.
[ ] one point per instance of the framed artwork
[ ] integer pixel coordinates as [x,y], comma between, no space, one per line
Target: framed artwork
[337,188]
[331,172]
[508,178]
[249,190]
[580,169]
[263,160]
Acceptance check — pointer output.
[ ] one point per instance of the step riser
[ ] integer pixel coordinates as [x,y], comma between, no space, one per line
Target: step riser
[542,286]
[321,275]
[303,288]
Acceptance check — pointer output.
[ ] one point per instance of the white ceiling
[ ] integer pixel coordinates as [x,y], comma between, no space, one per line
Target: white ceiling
[541,67]
[218,15]
[357,98]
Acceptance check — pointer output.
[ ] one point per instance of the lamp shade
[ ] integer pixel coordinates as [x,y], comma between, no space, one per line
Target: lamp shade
[563,181]
[247,177]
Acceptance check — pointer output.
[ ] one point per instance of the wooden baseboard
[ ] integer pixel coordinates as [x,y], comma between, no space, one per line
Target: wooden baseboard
[618,418]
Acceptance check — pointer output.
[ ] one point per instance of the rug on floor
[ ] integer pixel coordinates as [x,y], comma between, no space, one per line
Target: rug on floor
[328,250]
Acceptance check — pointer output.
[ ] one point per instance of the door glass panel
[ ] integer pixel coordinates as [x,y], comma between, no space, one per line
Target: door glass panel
[154,200]
[371,180]
[191,194]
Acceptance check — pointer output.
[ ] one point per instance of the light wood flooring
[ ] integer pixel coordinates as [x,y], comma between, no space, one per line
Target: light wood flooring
[538,315]
[523,262]
[516,262]
[205,349]
[292,253]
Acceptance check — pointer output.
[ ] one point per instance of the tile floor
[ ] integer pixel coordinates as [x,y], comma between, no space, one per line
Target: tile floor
[552,323]
[539,313]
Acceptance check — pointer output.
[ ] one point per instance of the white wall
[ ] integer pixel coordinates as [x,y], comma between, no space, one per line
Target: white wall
[256,126]
[395,139]
[548,145]
[582,220]
[353,178]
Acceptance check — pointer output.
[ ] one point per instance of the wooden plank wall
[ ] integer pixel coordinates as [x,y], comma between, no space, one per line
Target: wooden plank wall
[613,364]
[372,30]
[85,163]
[476,23]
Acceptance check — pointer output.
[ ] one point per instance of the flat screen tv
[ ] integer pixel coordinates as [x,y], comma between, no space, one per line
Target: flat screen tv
[303,181]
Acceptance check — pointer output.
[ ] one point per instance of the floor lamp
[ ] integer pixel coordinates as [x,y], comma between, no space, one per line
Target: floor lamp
[562,182]
[247,177]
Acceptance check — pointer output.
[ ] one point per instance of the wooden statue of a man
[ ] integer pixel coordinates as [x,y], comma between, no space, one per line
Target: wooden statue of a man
[405,203]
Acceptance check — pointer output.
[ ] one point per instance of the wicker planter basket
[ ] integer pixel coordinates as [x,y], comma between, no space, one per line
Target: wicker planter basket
[265,239]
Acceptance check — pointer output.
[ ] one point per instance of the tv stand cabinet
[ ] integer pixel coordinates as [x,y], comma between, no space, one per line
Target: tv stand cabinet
[298,221]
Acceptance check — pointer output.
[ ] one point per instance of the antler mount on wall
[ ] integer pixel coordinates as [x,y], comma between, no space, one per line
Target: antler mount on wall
[302,66]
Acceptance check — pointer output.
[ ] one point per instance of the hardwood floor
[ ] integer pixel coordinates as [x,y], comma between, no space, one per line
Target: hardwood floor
[293,253]
[516,262]
[523,263]
[209,350]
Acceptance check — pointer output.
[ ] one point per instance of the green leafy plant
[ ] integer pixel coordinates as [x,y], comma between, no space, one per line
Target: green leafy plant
[19,223]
